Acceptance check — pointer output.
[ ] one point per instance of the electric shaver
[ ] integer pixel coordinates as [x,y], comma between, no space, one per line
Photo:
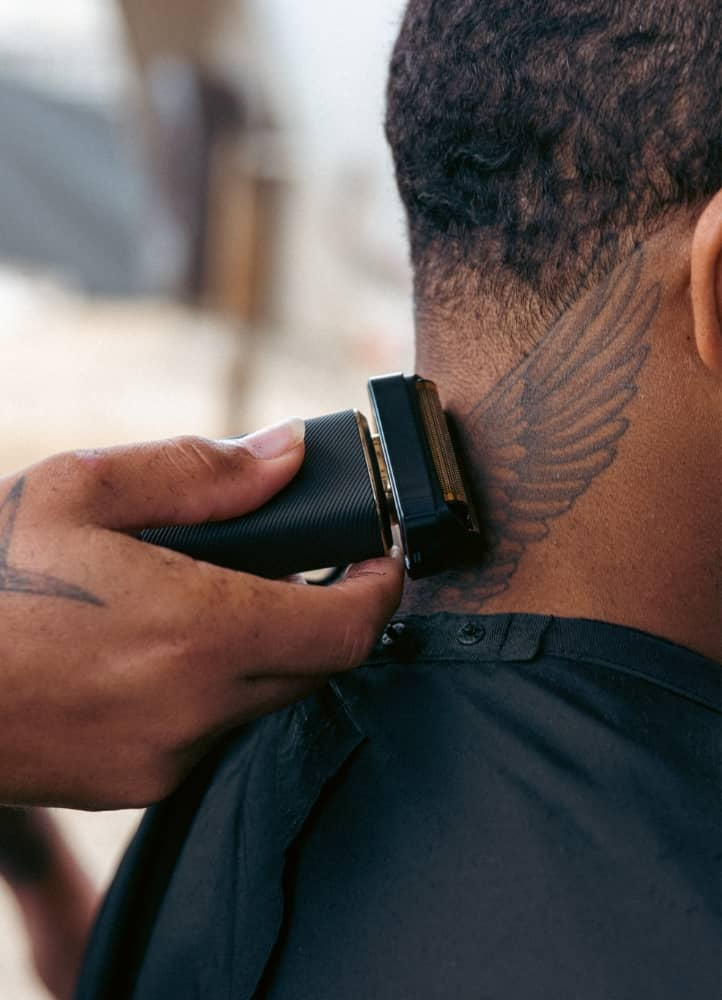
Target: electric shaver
[354,490]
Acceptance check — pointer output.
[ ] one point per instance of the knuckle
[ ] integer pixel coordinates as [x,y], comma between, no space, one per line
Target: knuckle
[77,472]
[191,456]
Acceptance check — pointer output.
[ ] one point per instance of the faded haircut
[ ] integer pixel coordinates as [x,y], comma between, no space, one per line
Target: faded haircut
[538,141]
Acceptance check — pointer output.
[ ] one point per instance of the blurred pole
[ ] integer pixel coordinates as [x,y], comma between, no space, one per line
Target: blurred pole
[56,899]
[218,164]
[182,28]
[170,43]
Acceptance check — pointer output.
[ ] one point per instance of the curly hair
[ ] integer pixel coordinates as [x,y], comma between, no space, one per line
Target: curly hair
[535,141]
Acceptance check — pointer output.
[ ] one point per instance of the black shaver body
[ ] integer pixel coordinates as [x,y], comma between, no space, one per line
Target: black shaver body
[350,490]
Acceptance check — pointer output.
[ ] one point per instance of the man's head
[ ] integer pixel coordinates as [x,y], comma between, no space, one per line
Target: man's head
[537,142]
[561,164]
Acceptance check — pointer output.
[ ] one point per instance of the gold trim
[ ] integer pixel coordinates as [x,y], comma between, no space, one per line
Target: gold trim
[440,445]
[379,479]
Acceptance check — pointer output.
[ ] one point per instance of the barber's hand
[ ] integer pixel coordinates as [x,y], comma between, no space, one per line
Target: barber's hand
[121,662]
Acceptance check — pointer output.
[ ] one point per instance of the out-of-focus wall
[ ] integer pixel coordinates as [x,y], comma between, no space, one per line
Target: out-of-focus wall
[344,265]
[331,59]
[184,27]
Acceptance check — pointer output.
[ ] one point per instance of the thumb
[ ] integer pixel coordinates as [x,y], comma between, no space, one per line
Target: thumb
[186,480]
[324,629]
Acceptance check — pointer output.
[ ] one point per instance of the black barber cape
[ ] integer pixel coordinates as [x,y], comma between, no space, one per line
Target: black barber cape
[493,808]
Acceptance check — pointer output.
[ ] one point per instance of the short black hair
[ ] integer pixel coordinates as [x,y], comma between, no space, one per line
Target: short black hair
[536,140]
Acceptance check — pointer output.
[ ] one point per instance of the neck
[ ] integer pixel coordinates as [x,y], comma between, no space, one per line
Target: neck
[595,465]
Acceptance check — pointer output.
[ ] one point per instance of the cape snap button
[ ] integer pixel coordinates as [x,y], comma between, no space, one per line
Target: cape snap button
[470,634]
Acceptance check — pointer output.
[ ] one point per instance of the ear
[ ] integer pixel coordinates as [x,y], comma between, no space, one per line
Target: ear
[706,285]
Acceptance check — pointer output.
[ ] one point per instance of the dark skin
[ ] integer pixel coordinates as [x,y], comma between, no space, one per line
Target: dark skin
[122,662]
[597,458]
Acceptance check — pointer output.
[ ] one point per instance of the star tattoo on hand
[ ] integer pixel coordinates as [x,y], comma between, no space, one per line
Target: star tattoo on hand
[13,579]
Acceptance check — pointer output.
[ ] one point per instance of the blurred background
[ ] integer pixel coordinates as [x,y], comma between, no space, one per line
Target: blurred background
[199,232]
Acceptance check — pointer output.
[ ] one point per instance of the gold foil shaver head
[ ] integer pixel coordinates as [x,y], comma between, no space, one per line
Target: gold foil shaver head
[440,444]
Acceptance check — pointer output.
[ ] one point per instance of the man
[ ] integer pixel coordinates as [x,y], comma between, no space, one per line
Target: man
[518,796]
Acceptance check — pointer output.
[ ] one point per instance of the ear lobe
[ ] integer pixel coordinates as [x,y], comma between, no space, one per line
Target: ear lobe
[706,285]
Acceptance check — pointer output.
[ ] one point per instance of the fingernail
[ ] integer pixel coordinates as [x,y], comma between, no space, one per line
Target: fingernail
[274,441]
[395,552]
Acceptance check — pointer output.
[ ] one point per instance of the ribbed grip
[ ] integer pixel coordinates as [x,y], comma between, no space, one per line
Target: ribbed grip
[327,516]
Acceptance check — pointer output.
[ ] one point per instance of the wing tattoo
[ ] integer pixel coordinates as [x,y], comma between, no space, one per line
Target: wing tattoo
[553,424]
[19,581]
